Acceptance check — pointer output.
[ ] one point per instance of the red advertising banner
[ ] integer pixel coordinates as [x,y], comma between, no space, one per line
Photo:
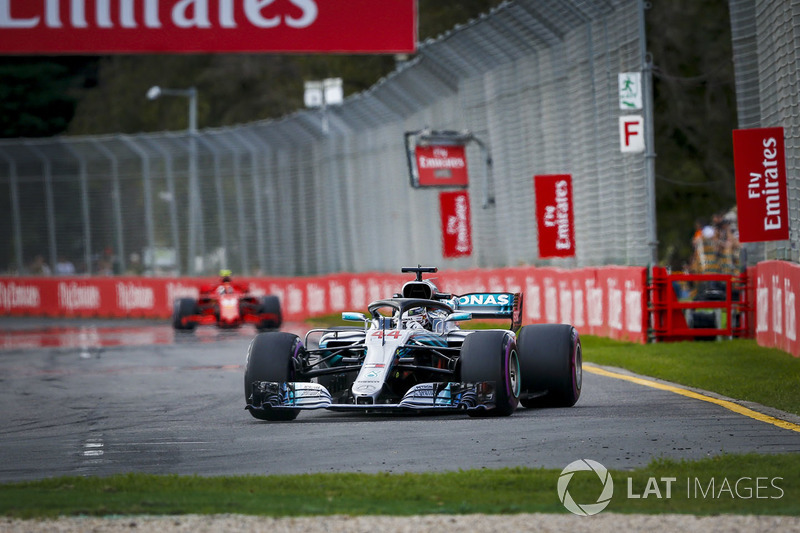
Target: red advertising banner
[777,305]
[761,193]
[202,26]
[456,230]
[442,165]
[554,215]
[604,301]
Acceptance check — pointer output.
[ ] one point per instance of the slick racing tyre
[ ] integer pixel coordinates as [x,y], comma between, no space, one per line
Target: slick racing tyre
[181,309]
[271,357]
[270,305]
[550,361]
[492,356]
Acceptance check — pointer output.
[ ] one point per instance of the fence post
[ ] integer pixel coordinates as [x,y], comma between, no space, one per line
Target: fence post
[173,210]
[115,200]
[240,221]
[649,131]
[253,149]
[223,223]
[148,198]
[48,202]
[15,218]
[87,231]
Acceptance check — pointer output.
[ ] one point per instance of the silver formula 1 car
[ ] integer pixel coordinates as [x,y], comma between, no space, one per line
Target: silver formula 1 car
[410,354]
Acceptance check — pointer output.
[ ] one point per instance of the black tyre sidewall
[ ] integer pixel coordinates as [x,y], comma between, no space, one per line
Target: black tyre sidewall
[272,356]
[550,358]
[270,304]
[486,356]
[181,308]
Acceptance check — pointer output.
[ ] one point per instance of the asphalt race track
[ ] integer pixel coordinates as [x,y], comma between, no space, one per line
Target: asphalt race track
[160,403]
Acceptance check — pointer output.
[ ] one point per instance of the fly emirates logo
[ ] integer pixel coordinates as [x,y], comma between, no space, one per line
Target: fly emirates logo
[109,14]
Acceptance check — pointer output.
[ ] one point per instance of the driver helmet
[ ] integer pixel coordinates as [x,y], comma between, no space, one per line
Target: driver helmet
[225,276]
[418,315]
[225,288]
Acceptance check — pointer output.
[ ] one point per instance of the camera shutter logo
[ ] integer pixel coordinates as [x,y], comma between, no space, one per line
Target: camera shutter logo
[586,509]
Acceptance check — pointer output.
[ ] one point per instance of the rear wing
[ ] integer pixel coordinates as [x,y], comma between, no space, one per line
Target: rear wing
[493,305]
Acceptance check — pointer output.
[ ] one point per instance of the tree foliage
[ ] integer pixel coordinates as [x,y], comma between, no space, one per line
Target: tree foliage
[38,96]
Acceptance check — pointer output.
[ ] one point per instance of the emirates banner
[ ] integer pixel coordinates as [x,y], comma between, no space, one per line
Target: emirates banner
[554,216]
[761,193]
[203,26]
[456,230]
[442,165]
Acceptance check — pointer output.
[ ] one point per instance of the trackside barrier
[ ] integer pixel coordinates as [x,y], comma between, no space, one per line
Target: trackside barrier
[604,301]
[674,319]
[777,306]
[616,302]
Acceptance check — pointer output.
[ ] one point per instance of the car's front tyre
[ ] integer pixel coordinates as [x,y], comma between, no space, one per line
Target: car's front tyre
[270,305]
[181,309]
[492,356]
[272,356]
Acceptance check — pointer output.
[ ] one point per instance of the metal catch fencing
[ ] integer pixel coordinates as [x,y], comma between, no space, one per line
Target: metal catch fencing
[324,191]
[766,56]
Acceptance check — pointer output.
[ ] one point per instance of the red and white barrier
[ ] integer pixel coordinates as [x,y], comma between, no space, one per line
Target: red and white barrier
[604,301]
[777,285]
[607,301]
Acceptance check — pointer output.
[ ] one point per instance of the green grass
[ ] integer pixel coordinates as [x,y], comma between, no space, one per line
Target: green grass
[737,368]
[475,491]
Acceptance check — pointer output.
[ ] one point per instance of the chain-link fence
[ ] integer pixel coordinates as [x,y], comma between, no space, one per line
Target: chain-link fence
[766,55]
[535,80]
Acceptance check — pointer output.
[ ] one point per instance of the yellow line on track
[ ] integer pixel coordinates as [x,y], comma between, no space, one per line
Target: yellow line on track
[735,407]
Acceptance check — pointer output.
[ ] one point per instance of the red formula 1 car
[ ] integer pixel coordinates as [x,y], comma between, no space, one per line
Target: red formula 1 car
[226,305]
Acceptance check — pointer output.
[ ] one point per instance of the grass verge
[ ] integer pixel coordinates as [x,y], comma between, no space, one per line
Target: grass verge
[737,368]
[736,484]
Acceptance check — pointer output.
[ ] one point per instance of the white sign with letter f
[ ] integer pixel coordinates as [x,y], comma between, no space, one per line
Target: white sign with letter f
[631,134]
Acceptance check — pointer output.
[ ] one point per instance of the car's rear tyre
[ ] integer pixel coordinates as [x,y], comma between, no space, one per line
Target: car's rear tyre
[182,308]
[272,357]
[492,356]
[270,305]
[551,364]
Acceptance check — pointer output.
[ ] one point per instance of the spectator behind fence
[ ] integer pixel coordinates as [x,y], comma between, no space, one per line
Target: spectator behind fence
[64,267]
[135,267]
[698,262]
[39,267]
[709,247]
[729,248]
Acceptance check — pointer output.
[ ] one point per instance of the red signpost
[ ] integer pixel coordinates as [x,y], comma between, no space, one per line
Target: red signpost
[203,26]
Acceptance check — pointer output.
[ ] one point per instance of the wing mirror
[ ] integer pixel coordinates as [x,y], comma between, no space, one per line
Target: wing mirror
[456,317]
[354,317]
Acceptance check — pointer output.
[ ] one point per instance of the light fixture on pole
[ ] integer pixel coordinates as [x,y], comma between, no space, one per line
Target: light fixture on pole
[321,94]
[195,216]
